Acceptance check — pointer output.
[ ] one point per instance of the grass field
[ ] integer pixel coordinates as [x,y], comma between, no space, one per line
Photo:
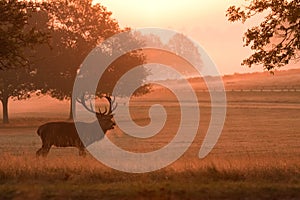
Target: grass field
[256,157]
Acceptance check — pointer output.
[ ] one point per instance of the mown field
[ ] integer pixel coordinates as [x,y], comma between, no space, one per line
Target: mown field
[256,157]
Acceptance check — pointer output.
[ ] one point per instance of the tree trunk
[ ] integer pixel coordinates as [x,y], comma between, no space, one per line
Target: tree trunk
[4,102]
[72,109]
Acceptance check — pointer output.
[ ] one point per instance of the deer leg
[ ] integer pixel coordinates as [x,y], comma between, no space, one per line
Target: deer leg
[43,151]
[82,151]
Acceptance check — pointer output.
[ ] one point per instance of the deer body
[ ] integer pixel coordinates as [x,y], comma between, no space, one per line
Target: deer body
[64,134]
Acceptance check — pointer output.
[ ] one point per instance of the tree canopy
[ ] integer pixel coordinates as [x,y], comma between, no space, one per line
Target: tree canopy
[76,27]
[15,35]
[276,40]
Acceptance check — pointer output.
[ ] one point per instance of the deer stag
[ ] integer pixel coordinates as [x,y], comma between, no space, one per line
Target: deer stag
[64,134]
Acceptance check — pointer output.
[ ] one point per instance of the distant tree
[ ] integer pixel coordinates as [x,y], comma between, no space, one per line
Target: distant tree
[180,44]
[152,39]
[276,40]
[13,37]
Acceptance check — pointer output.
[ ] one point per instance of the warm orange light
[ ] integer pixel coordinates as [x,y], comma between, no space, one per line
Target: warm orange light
[161,12]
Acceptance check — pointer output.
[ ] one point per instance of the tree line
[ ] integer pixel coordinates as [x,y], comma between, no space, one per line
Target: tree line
[42,44]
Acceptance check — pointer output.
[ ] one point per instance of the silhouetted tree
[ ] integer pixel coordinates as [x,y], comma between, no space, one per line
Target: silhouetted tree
[276,40]
[16,38]
[16,84]
[76,27]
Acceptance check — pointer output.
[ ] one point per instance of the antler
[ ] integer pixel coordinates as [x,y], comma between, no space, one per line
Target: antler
[112,105]
[82,101]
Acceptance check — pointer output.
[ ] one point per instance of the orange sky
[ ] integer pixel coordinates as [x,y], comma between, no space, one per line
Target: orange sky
[202,20]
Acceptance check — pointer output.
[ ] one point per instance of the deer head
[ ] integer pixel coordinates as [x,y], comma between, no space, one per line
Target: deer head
[105,118]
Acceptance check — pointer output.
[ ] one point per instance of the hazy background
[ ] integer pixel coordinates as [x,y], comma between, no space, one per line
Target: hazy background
[203,21]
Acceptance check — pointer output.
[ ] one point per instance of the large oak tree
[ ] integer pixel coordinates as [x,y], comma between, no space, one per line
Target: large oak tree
[76,27]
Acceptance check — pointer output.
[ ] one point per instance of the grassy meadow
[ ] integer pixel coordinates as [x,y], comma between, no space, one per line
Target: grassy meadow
[256,157]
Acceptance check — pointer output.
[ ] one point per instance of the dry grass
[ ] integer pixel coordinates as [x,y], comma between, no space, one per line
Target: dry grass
[256,157]
[25,176]
[73,167]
